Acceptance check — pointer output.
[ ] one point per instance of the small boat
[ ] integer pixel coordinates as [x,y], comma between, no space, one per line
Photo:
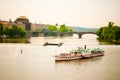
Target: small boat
[79,54]
[54,44]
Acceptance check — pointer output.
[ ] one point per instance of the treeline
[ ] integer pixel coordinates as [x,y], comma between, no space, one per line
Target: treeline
[55,29]
[12,31]
[109,33]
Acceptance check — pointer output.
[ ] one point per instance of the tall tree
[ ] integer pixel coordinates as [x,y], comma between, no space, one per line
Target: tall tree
[110,24]
[1,29]
[109,33]
[15,31]
[63,28]
[52,28]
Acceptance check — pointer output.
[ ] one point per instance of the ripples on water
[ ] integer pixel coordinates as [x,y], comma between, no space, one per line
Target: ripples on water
[37,61]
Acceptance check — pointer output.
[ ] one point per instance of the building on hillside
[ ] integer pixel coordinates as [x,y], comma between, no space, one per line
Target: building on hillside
[37,27]
[24,22]
[5,24]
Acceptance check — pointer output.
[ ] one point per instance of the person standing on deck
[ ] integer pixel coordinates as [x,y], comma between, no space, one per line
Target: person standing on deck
[85,47]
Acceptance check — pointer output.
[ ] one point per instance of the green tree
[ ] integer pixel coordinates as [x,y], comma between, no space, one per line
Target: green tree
[1,29]
[110,24]
[52,28]
[99,32]
[70,30]
[63,28]
[109,33]
[116,33]
[15,31]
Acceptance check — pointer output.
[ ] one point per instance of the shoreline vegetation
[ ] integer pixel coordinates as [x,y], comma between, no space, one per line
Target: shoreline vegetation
[16,34]
[109,34]
[14,40]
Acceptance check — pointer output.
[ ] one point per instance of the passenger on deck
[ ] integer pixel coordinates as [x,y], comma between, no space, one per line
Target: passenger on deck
[85,47]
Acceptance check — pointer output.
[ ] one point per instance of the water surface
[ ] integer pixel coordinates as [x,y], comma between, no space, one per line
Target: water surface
[36,62]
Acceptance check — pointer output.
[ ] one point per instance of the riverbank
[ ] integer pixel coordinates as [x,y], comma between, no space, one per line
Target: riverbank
[14,40]
[109,42]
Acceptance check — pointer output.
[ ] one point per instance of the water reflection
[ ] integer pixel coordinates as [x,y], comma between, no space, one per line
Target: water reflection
[37,62]
[14,40]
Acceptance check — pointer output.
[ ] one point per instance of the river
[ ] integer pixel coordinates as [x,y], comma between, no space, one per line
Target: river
[36,62]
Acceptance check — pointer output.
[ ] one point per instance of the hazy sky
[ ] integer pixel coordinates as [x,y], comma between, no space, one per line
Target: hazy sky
[85,13]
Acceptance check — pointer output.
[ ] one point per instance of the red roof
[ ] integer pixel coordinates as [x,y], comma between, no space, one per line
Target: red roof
[5,22]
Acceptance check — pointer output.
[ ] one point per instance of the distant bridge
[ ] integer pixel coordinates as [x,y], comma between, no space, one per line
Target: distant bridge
[81,33]
[84,32]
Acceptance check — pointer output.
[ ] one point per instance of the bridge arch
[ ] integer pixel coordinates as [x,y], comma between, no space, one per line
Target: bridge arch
[82,33]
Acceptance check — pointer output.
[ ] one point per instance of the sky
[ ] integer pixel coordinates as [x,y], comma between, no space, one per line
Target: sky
[84,13]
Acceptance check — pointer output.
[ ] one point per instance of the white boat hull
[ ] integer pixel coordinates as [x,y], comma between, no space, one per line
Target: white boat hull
[66,58]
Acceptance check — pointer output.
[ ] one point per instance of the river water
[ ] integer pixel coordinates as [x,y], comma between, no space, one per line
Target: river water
[36,62]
